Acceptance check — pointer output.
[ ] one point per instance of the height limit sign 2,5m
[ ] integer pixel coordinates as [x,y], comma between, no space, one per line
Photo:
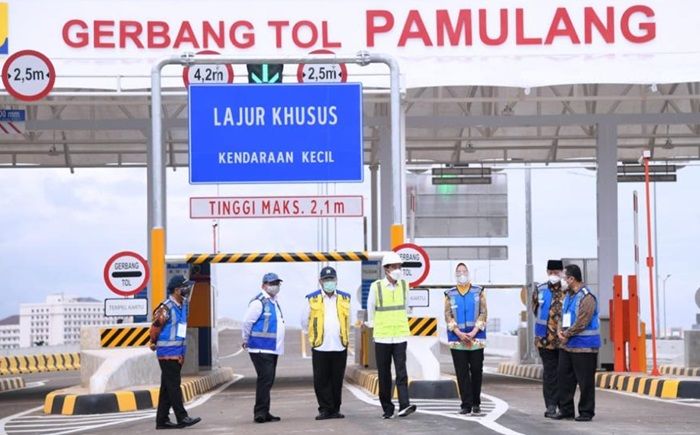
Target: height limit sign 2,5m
[28,75]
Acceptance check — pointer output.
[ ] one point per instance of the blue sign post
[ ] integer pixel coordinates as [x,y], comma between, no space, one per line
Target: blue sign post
[281,133]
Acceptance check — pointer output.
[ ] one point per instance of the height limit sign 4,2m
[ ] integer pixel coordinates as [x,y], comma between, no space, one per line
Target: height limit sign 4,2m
[28,75]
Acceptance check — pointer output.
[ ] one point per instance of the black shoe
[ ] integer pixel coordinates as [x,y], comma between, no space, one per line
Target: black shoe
[270,417]
[551,411]
[410,409]
[188,421]
[166,425]
[324,416]
[583,418]
[259,419]
[337,415]
[388,416]
[465,411]
[560,416]
[476,410]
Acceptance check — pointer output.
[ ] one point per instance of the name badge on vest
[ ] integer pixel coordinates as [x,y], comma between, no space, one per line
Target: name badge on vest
[566,320]
[182,330]
[540,297]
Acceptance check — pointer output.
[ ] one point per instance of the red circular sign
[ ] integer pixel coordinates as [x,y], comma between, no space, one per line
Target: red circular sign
[416,263]
[329,75]
[28,75]
[209,76]
[126,273]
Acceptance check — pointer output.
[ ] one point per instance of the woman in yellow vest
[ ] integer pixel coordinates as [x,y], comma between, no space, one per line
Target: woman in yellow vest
[326,317]
[386,313]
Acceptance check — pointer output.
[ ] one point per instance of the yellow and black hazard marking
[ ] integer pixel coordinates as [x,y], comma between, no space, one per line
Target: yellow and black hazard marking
[531,371]
[679,371]
[276,257]
[423,326]
[128,400]
[128,336]
[23,364]
[9,384]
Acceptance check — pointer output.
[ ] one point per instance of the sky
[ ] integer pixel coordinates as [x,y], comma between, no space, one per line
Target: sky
[60,228]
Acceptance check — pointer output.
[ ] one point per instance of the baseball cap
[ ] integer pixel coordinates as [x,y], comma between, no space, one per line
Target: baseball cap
[327,272]
[270,277]
[178,281]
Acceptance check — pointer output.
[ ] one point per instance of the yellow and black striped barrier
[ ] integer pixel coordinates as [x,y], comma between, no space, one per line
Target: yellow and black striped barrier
[276,257]
[679,371]
[24,364]
[128,401]
[423,326]
[9,384]
[126,336]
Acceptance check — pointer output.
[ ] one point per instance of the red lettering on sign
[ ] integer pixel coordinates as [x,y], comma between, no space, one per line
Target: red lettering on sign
[607,30]
[419,33]
[75,34]
[130,30]
[648,28]
[483,31]
[562,17]
[186,36]
[520,38]
[373,28]
[453,31]
[158,36]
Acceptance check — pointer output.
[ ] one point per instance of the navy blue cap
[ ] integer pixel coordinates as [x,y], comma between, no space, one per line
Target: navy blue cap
[270,277]
[177,281]
[327,272]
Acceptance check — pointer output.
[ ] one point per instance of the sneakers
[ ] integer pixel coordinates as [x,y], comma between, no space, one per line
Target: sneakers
[476,410]
[387,416]
[410,409]
[551,411]
[465,411]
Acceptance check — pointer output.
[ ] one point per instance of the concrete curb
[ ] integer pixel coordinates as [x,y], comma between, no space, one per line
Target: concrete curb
[24,364]
[639,383]
[679,371]
[417,389]
[128,400]
[10,384]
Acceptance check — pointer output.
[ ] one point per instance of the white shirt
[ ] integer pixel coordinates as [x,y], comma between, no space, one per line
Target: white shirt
[331,323]
[255,309]
[372,304]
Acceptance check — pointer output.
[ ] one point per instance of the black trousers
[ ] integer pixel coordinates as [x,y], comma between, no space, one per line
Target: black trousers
[469,367]
[384,354]
[329,371]
[577,368]
[266,368]
[170,395]
[550,365]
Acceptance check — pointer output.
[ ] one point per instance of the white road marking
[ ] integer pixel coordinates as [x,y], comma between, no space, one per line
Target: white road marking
[488,420]
[21,423]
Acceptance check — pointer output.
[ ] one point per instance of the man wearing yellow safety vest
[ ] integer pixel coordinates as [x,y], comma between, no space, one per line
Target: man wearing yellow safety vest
[580,341]
[326,317]
[387,314]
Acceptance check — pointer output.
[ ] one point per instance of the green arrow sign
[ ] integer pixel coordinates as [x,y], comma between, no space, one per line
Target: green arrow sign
[265,73]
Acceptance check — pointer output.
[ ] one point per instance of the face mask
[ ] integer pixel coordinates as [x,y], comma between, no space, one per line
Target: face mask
[553,279]
[329,286]
[396,274]
[272,290]
[463,279]
[564,285]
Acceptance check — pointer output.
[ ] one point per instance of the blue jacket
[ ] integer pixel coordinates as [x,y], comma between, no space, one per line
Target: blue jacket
[465,310]
[169,344]
[590,336]
[263,334]
[544,301]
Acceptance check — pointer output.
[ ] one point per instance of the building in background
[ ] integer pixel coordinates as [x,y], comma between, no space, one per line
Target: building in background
[9,332]
[58,320]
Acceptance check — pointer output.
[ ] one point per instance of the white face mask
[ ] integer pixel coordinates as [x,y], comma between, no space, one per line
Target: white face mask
[463,279]
[272,290]
[396,274]
[564,285]
[553,279]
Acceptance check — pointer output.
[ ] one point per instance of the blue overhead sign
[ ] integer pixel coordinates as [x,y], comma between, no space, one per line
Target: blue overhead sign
[281,133]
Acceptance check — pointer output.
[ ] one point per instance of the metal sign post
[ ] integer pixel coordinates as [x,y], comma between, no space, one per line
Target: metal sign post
[156,154]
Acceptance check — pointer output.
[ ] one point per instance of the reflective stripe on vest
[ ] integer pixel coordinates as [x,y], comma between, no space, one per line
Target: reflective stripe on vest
[391,320]
[544,301]
[263,334]
[590,336]
[466,309]
[167,344]
[317,317]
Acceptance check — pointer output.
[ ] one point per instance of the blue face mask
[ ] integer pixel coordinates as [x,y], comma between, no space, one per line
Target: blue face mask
[330,286]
